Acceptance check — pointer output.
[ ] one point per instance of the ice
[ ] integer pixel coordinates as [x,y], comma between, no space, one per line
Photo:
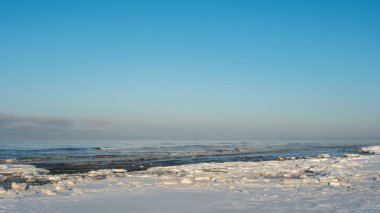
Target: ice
[322,184]
[371,150]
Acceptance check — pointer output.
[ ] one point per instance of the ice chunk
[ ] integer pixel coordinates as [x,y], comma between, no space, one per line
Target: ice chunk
[186,181]
[371,150]
[18,186]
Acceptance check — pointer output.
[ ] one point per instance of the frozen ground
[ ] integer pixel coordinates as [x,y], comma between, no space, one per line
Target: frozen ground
[323,184]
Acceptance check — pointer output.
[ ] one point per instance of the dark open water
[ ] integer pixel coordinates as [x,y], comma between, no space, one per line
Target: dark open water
[81,156]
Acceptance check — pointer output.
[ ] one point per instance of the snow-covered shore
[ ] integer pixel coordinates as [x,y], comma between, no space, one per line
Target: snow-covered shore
[323,184]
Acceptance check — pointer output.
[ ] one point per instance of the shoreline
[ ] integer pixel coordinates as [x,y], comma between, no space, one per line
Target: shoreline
[319,184]
[81,160]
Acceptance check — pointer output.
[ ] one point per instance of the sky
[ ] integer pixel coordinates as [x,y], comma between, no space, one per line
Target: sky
[210,69]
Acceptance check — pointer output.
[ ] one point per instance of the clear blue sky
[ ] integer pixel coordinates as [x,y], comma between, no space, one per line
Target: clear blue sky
[189,69]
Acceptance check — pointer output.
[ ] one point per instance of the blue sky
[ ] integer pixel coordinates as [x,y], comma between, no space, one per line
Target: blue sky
[189,69]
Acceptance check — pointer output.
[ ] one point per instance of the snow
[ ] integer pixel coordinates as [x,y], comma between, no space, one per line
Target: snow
[371,150]
[323,184]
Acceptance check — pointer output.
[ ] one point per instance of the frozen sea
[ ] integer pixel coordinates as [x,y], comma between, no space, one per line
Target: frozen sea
[60,157]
